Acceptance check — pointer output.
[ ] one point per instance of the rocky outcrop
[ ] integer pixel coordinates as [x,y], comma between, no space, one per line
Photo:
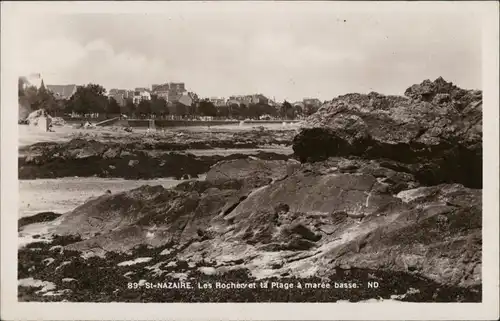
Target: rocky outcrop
[37,218]
[84,158]
[179,140]
[252,170]
[435,132]
[441,92]
[314,220]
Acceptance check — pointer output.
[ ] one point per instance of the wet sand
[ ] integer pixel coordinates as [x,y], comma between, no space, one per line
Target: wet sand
[64,194]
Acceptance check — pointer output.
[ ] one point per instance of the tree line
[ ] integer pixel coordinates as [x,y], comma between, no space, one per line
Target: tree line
[159,107]
[92,99]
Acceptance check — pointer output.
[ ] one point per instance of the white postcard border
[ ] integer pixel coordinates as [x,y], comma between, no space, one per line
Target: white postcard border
[13,310]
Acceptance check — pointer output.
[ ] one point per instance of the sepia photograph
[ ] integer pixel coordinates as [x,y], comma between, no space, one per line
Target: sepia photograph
[249,152]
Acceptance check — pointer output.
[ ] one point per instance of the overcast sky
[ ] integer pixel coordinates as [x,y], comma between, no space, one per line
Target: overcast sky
[275,50]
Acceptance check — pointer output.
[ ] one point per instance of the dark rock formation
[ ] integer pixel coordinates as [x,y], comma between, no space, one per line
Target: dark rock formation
[435,133]
[83,158]
[441,92]
[179,140]
[253,171]
[37,218]
[339,213]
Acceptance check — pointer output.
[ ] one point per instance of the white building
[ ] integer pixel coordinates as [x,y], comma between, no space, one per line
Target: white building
[141,95]
[218,102]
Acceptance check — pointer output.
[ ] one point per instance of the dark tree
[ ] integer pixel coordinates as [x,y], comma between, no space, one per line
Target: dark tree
[237,111]
[223,111]
[285,108]
[207,108]
[290,113]
[112,107]
[53,106]
[43,99]
[180,109]
[62,106]
[260,109]
[89,99]
[29,98]
[268,110]
[144,108]
[298,111]
[159,106]
[253,111]
[129,107]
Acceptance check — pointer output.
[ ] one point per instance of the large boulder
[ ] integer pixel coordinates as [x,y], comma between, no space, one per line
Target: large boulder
[42,153]
[149,215]
[435,132]
[254,171]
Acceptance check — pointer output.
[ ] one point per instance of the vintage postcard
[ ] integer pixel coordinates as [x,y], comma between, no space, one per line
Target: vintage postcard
[249,160]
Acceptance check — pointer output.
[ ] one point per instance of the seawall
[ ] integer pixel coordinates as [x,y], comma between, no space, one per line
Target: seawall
[186,123]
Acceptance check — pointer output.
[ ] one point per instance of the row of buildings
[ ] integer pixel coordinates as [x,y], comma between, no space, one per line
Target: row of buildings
[313,102]
[172,92]
[176,92]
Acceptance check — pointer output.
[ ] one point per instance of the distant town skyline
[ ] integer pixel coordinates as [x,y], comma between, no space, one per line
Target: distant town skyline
[275,50]
[36,80]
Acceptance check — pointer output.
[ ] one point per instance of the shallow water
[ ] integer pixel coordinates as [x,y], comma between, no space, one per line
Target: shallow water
[245,151]
[64,194]
[235,127]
